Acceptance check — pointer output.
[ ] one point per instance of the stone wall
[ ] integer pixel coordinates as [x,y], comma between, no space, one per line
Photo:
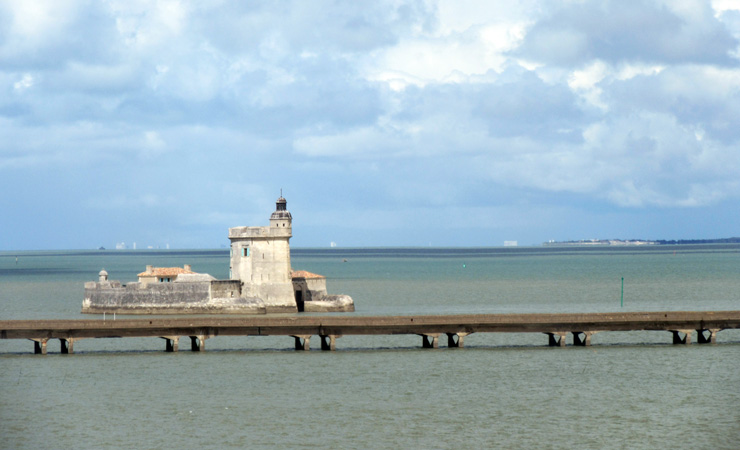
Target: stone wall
[166,298]
[312,288]
[226,288]
[316,299]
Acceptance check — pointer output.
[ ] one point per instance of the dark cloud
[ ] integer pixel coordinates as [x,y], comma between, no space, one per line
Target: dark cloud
[708,101]
[529,107]
[517,103]
[634,30]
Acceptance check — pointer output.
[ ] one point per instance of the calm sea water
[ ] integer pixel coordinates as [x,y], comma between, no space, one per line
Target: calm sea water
[629,390]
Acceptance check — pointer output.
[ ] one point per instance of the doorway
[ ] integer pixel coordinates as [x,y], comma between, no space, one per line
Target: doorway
[299,300]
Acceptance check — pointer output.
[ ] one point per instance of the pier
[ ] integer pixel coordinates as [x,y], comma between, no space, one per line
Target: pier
[681,324]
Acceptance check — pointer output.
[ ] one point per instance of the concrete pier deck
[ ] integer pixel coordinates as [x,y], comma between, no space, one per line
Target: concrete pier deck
[455,327]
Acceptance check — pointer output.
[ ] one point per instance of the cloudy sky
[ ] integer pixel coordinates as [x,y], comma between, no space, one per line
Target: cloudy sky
[385,123]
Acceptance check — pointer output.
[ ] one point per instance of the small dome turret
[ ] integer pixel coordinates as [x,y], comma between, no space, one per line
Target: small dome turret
[103,275]
[281,210]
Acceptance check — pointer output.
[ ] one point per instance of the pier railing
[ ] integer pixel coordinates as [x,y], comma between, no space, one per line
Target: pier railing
[557,326]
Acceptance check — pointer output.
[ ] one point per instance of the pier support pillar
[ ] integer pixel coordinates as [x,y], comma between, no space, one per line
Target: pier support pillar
[686,339]
[430,340]
[303,342]
[582,338]
[459,343]
[67,346]
[329,342]
[172,343]
[198,343]
[558,341]
[39,346]
[701,338]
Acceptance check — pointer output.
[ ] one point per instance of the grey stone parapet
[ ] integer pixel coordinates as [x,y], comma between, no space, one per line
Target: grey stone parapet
[258,232]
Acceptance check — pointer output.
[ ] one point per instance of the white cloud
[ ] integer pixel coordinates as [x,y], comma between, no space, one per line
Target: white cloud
[146,24]
[721,6]
[33,22]
[24,83]
[456,56]
[470,39]
[584,82]
[628,71]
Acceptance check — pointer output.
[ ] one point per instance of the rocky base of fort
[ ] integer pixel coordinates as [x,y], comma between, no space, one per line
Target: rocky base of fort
[330,303]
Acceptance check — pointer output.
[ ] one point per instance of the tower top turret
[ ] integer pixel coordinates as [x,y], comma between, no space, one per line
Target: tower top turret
[281,210]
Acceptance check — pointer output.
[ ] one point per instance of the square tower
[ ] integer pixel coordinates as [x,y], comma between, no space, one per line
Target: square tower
[260,259]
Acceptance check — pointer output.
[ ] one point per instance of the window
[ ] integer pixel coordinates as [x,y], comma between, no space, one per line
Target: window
[245,251]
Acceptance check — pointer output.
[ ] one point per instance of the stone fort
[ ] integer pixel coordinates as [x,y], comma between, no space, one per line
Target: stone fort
[261,281]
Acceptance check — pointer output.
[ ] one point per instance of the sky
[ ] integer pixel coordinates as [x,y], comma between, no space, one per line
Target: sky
[384,123]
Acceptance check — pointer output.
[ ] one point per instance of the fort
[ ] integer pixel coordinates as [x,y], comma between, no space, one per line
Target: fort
[261,281]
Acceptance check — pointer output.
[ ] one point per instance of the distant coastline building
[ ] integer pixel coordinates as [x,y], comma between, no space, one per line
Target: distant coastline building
[261,281]
[599,242]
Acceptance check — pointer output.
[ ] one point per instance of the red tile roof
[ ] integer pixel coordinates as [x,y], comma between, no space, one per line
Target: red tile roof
[164,272]
[304,274]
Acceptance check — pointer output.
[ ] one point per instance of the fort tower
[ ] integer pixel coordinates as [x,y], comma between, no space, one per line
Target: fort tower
[260,259]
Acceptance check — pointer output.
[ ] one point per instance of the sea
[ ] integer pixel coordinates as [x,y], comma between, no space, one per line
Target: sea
[629,390]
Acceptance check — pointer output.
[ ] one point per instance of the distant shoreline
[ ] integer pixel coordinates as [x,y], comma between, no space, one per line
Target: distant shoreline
[620,242]
[376,250]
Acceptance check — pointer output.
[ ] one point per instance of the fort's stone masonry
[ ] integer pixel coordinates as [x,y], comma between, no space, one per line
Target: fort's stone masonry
[262,281]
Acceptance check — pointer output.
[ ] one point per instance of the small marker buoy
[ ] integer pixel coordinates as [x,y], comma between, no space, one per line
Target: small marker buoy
[464,266]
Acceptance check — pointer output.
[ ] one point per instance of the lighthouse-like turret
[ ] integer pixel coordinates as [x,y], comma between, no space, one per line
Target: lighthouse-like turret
[281,218]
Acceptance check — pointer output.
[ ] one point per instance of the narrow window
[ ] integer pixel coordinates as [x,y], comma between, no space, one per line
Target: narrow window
[245,252]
